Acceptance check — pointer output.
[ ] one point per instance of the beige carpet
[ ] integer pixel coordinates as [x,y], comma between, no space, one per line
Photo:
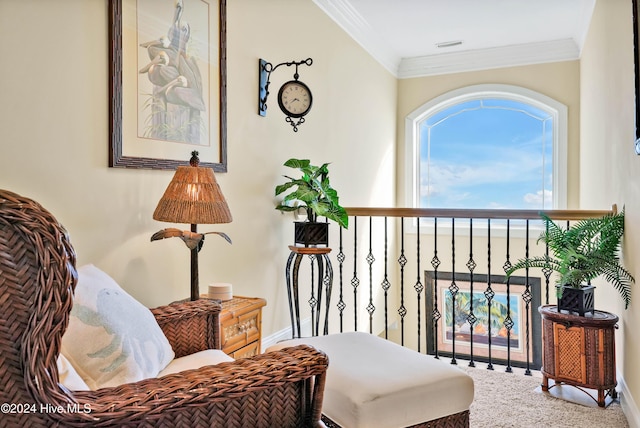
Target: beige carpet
[516,401]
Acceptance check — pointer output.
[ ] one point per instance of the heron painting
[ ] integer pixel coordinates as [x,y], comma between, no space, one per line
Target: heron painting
[173,72]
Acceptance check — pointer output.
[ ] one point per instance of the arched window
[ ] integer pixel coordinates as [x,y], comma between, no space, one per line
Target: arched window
[487,146]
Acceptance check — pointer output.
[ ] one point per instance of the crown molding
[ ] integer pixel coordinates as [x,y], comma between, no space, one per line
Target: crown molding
[343,13]
[485,59]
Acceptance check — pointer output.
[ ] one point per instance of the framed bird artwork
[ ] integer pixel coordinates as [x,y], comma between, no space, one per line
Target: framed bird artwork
[167,82]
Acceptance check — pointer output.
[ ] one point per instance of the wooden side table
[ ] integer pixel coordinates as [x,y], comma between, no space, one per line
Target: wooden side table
[579,351]
[241,326]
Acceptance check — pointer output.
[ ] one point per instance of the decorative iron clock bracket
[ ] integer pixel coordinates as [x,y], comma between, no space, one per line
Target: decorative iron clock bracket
[264,76]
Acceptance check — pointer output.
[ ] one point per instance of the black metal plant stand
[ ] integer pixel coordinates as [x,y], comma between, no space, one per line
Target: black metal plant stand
[319,255]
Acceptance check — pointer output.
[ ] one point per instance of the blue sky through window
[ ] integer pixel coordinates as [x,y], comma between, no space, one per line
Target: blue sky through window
[488,153]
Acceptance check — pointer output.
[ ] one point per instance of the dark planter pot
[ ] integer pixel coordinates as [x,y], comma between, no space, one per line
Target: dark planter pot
[578,300]
[311,233]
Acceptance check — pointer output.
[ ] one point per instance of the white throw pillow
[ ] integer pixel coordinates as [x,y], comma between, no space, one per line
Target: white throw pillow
[68,375]
[112,339]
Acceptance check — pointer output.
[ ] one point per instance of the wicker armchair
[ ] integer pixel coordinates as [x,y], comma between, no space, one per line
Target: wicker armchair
[37,280]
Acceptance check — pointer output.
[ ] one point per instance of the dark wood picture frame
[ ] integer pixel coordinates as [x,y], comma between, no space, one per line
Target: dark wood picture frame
[525,352]
[636,62]
[116,156]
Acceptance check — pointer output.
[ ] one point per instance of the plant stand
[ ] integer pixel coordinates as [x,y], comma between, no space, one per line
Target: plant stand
[325,280]
[579,351]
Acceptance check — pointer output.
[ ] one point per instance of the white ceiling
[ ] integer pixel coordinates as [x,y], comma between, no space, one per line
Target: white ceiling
[403,34]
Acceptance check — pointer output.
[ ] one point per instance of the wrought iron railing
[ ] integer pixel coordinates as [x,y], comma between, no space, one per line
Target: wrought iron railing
[433,280]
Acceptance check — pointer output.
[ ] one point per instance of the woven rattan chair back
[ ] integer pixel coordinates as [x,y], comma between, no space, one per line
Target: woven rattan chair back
[37,276]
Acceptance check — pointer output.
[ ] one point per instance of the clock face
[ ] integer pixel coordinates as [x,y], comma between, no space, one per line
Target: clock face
[295,98]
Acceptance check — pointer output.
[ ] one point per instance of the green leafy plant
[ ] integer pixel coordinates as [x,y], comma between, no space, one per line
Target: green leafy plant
[313,191]
[588,249]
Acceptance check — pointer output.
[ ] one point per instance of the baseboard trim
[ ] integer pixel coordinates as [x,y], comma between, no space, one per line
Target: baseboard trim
[628,404]
[285,334]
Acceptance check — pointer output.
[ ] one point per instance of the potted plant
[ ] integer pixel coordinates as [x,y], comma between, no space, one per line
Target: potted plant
[588,249]
[313,193]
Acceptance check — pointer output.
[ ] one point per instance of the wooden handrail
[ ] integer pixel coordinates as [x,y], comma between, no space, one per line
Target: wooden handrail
[478,213]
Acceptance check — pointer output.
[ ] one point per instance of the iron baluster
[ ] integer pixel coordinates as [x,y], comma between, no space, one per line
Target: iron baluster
[402,261]
[471,318]
[385,282]
[341,305]
[355,281]
[508,321]
[526,296]
[453,290]
[370,259]
[489,293]
[435,263]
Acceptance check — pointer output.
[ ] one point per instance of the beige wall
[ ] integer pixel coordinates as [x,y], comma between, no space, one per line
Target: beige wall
[54,136]
[610,169]
[559,81]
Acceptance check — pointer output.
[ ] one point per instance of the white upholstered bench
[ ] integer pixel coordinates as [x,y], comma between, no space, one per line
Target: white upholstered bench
[375,383]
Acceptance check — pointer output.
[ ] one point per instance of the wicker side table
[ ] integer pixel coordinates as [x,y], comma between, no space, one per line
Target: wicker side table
[579,351]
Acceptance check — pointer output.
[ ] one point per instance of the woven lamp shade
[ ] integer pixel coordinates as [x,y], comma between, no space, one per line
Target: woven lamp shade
[194,197]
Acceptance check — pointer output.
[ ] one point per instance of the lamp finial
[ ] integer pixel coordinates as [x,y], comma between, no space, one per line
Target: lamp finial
[195,160]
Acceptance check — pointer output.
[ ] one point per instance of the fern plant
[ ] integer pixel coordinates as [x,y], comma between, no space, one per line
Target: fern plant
[588,249]
[314,191]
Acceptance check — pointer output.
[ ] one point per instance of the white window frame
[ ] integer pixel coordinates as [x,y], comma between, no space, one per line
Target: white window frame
[555,109]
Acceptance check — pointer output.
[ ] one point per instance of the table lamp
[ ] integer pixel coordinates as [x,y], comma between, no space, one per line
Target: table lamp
[193,197]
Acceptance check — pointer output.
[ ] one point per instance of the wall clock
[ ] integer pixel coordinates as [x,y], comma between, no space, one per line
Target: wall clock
[294,97]
[295,100]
